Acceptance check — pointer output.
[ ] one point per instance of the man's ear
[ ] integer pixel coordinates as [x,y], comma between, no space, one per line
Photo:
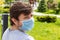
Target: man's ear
[14,21]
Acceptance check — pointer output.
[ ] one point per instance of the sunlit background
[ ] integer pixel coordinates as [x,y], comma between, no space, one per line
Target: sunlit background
[46,15]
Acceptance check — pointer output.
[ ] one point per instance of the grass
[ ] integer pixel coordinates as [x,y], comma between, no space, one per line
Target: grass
[0,32]
[43,30]
[46,31]
[0,29]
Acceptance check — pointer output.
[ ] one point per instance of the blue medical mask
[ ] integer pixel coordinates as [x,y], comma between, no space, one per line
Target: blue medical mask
[27,24]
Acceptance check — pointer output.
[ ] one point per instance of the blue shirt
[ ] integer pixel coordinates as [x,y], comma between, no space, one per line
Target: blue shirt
[16,35]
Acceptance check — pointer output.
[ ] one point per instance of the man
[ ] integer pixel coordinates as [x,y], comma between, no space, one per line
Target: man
[21,21]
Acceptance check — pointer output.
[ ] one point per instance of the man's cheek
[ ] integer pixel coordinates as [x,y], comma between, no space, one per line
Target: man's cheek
[20,23]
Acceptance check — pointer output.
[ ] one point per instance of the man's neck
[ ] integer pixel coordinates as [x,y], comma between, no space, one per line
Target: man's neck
[14,27]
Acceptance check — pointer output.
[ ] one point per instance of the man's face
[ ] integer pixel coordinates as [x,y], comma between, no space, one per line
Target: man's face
[21,18]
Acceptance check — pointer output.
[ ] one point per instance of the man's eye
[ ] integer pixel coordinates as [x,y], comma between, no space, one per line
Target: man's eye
[26,18]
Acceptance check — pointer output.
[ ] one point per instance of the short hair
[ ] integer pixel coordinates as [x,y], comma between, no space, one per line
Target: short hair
[18,8]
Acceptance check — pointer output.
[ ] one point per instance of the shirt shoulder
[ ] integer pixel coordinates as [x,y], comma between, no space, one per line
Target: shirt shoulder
[5,34]
[16,35]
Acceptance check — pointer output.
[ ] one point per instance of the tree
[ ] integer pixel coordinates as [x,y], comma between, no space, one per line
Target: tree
[59,5]
[42,6]
[8,1]
[51,1]
[50,4]
[1,2]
